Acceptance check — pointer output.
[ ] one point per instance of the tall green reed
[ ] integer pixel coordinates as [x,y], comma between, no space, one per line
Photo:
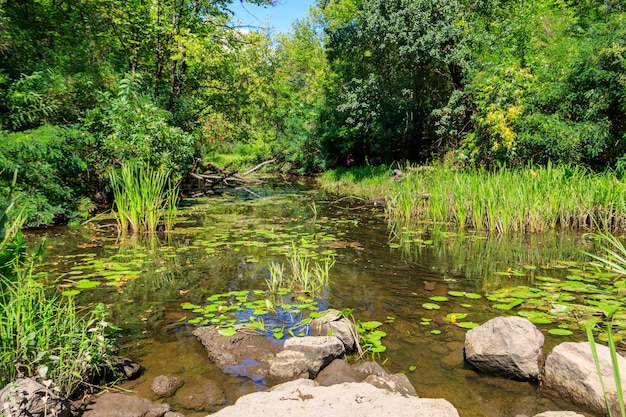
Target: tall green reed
[614,259]
[619,393]
[144,198]
[507,200]
[302,274]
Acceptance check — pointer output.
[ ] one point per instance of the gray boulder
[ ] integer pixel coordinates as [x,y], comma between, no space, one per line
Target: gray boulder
[397,383]
[166,386]
[337,372]
[27,397]
[288,365]
[333,323]
[558,414]
[319,350]
[123,405]
[506,346]
[303,398]
[571,373]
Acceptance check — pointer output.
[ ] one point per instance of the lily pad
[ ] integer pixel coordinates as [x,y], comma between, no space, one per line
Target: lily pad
[560,332]
[467,324]
[431,306]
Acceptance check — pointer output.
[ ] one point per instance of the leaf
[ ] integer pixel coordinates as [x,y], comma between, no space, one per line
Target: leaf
[438,298]
[227,332]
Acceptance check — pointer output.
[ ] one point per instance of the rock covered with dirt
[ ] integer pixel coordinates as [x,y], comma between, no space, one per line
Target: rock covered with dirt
[508,346]
[231,350]
[571,373]
[27,397]
[305,398]
[245,354]
[124,405]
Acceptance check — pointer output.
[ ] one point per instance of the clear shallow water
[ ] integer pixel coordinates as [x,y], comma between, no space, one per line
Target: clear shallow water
[224,243]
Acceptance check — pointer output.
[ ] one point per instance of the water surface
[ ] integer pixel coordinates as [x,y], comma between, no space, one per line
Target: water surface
[224,243]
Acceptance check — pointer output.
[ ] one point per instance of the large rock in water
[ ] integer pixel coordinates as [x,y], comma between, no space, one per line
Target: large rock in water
[506,346]
[571,372]
[319,350]
[304,398]
[333,323]
[27,397]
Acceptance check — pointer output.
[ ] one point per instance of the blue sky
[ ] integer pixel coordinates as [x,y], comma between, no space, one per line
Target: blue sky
[280,16]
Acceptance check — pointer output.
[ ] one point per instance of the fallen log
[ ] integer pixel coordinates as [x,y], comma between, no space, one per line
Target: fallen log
[213,176]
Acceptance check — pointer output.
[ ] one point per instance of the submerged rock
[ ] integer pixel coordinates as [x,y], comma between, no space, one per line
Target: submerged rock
[506,346]
[166,386]
[27,397]
[207,396]
[304,398]
[571,373]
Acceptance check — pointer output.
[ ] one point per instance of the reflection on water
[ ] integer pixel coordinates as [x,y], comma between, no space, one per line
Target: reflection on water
[225,243]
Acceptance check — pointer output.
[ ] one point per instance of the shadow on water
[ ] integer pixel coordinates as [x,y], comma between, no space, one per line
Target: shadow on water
[225,243]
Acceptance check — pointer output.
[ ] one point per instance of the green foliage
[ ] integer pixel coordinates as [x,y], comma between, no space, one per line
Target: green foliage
[396,63]
[51,171]
[130,128]
[12,243]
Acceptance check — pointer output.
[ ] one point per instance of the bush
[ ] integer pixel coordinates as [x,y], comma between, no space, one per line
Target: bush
[131,128]
[52,174]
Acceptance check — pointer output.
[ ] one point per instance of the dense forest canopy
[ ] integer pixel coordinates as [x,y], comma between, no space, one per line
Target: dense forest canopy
[86,85]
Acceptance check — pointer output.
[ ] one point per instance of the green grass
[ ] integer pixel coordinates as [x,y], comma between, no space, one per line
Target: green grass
[145,198]
[364,182]
[46,338]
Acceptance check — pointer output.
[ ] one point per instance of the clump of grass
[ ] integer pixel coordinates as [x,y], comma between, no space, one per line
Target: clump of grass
[303,275]
[47,338]
[507,200]
[144,197]
[276,279]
